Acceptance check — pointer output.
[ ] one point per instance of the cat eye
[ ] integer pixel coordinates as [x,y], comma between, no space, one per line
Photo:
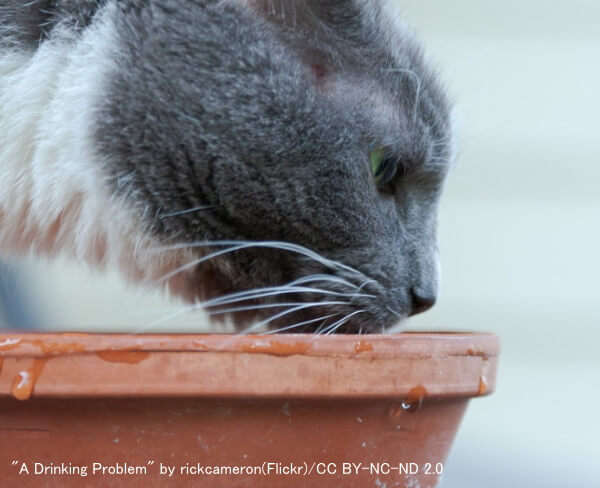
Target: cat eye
[383,165]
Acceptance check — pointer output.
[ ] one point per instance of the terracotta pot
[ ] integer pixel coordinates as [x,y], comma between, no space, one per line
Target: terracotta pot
[286,410]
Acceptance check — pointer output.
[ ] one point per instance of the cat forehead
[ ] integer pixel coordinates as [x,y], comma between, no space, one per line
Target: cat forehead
[341,29]
[398,109]
[364,54]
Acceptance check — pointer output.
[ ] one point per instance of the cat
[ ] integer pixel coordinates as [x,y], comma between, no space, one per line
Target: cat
[279,162]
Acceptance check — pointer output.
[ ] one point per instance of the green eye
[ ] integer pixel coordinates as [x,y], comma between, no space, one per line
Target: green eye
[383,165]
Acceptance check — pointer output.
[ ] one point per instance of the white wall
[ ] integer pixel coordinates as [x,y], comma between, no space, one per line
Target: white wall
[519,232]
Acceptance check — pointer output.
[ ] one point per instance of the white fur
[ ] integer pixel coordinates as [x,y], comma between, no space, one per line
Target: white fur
[53,194]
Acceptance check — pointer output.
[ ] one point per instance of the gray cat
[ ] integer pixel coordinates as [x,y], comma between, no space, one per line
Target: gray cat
[276,161]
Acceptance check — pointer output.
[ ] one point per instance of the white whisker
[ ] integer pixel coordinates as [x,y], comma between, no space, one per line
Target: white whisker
[322,277]
[417,79]
[271,305]
[358,290]
[156,323]
[238,245]
[196,262]
[296,286]
[394,312]
[275,291]
[332,328]
[183,212]
[275,317]
[293,326]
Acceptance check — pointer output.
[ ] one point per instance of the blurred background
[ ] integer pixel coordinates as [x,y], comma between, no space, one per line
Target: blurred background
[519,234]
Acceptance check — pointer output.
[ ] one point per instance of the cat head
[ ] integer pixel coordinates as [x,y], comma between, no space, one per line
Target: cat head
[296,150]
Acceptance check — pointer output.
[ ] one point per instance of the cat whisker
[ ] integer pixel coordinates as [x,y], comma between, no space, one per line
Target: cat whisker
[435,164]
[277,316]
[299,324]
[270,305]
[266,292]
[394,312]
[295,291]
[290,287]
[322,277]
[321,327]
[238,245]
[171,316]
[196,262]
[442,142]
[183,212]
[216,303]
[245,296]
[297,306]
[336,325]
[357,293]
[417,80]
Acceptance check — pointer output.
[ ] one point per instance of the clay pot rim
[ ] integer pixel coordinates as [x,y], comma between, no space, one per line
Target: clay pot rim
[405,344]
[413,365]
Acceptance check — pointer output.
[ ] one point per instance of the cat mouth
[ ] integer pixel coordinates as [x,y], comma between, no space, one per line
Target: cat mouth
[303,305]
[296,307]
[281,318]
[326,298]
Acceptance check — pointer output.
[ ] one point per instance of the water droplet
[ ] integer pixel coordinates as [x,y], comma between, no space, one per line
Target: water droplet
[9,344]
[414,401]
[24,383]
[483,386]
[362,346]
[22,386]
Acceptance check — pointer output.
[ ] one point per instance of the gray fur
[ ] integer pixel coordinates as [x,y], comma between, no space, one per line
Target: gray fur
[265,113]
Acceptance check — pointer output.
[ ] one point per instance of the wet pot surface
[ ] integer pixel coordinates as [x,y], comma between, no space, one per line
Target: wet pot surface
[156,410]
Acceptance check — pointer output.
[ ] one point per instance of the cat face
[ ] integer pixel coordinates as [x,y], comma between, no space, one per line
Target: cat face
[311,149]
[292,152]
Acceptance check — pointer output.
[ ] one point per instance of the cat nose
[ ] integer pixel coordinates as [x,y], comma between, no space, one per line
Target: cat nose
[420,302]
